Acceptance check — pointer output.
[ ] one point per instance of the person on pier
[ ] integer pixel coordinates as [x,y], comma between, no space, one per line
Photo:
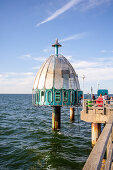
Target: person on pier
[99,101]
[106,98]
[111,102]
[93,97]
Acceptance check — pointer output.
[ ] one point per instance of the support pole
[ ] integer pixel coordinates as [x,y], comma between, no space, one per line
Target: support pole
[56,50]
[56,117]
[56,45]
[72,113]
[96,130]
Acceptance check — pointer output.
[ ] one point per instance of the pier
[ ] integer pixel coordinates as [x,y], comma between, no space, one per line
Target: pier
[102,152]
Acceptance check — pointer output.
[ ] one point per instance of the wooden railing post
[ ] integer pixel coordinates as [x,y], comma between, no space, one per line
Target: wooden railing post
[95,131]
[109,144]
[94,161]
[103,107]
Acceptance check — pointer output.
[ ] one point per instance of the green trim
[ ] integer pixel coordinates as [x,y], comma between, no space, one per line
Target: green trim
[73,97]
[56,50]
[57,96]
[49,96]
[65,96]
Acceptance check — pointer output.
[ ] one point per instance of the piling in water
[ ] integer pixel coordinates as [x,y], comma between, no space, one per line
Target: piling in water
[72,110]
[96,131]
[56,117]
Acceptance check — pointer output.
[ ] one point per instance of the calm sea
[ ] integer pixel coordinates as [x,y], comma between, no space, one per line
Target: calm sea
[28,142]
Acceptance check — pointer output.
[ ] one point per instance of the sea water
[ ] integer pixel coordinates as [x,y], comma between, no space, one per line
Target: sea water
[28,142]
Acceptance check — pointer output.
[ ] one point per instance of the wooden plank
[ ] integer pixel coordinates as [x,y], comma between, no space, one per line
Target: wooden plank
[95,158]
[110,121]
[109,144]
[92,117]
[109,159]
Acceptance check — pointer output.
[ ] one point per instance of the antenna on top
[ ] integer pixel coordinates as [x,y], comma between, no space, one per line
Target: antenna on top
[56,45]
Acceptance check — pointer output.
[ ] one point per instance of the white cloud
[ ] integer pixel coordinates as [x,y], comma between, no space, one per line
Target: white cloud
[0,75]
[39,58]
[74,37]
[85,64]
[26,56]
[82,5]
[45,50]
[97,74]
[103,51]
[95,70]
[68,57]
[36,68]
[31,57]
[13,74]
[106,51]
[14,82]
[58,12]
[88,4]
[28,74]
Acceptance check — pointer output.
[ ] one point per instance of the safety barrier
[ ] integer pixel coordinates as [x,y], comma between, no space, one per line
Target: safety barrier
[103,144]
[105,105]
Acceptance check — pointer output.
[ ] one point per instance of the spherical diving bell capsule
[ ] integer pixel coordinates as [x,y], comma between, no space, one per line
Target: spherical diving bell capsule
[56,83]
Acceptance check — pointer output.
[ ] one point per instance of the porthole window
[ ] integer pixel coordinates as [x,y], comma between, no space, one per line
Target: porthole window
[58,96]
[42,96]
[49,96]
[72,96]
[65,96]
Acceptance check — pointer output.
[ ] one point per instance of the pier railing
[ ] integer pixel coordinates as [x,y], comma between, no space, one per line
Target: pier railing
[104,105]
[104,142]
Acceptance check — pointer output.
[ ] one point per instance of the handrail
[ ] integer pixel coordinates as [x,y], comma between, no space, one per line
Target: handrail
[105,103]
[109,160]
[95,158]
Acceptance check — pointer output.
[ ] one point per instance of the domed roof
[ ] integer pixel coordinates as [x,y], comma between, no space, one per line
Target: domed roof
[56,73]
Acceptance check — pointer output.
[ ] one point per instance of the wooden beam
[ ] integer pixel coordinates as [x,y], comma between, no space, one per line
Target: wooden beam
[109,159]
[95,158]
[110,121]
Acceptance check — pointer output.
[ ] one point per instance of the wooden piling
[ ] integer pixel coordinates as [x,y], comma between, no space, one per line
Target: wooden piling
[96,131]
[72,110]
[56,117]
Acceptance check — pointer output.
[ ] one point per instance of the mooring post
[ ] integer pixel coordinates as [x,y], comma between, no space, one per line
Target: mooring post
[56,117]
[96,130]
[72,110]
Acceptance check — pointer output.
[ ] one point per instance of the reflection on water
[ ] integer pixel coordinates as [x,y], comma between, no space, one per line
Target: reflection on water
[28,142]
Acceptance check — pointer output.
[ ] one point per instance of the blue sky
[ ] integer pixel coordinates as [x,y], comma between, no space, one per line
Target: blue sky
[28,28]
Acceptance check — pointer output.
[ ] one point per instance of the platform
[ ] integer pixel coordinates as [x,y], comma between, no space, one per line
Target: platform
[93,113]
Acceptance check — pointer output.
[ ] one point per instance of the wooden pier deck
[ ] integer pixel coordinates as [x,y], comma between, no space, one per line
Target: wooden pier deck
[104,144]
[93,113]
